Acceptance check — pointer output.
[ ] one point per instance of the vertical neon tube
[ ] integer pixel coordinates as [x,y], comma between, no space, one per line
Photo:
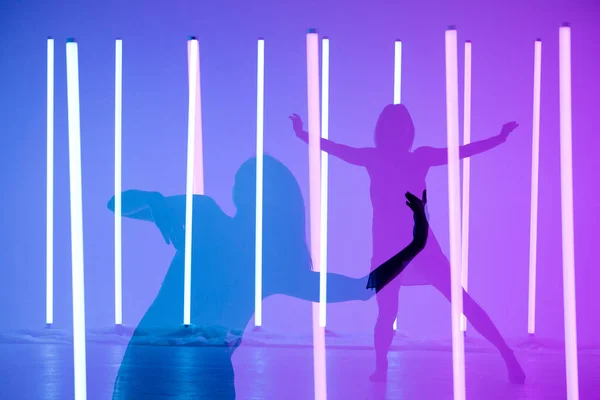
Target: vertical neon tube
[397,71]
[118,174]
[77,266]
[458,351]
[189,192]
[535,167]
[50,183]
[397,93]
[198,142]
[568,237]
[314,154]
[260,118]
[466,178]
[324,180]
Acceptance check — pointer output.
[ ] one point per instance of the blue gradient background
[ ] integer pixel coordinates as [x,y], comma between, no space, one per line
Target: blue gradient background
[362,44]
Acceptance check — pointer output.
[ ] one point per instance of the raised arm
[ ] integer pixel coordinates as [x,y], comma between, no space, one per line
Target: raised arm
[390,269]
[351,155]
[439,156]
[341,288]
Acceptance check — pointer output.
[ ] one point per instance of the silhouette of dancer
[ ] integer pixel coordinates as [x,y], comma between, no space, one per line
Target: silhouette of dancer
[222,300]
[393,168]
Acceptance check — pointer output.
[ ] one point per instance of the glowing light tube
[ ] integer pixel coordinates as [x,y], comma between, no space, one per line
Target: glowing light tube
[118,174]
[566,186]
[314,154]
[198,142]
[397,71]
[397,92]
[458,351]
[50,183]
[324,179]
[466,179]
[189,192]
[260,118]
[76,221]
[535,165]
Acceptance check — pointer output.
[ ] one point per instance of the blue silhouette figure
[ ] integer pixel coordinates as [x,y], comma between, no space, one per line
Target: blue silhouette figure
[222,299]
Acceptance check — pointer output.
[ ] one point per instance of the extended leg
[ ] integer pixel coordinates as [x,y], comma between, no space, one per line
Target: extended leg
[477,316]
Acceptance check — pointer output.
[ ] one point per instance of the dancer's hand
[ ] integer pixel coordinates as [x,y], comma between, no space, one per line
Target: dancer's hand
[171,230]
[297,125]
[507,129]
[416,204]
[421,228]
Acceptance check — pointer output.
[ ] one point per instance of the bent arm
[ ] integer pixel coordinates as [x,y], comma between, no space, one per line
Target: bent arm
[341,288]
[351,155]
[439,156]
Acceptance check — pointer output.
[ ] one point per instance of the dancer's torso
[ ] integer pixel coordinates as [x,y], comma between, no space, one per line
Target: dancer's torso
[392,218]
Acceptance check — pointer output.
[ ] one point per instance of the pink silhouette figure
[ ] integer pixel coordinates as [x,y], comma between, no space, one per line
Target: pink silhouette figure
[393,170]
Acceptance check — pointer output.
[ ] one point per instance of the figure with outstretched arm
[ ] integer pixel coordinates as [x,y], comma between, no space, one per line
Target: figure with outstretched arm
[222,296]
[166,214]
[395,168]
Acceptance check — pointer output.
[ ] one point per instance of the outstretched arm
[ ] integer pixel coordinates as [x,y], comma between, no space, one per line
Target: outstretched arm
[351,155]
[137,204]
[168,213]
[439,156]
[342,288]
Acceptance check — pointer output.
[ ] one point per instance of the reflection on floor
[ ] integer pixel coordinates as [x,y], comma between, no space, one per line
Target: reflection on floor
[44,371]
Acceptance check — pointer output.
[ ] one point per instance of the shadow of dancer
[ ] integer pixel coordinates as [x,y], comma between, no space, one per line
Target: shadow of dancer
[222,299]
[393,169]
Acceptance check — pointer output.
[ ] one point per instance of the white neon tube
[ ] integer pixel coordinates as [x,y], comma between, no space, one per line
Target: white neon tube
[566,186]
[397,93]
[189,192]
[324,180]
[314,154]
[198,142]
[466,179]
[50,183]
[77,267]
[118,174]
[260,118]
[535,167]
[397,71]
[458,351]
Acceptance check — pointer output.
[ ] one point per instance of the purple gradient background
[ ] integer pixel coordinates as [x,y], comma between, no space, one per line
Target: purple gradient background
[362,46]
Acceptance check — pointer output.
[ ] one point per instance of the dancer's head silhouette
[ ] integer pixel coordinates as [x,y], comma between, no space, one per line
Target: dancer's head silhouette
[395,131]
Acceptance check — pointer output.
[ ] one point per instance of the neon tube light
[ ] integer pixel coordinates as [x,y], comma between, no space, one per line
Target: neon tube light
[79,361]
[458,351]
[118,175]
[466,179]
[260,115]
[189,193]
[324,180]
[50,183]
[535,167]
[314,154]
[568,237]
[397,93]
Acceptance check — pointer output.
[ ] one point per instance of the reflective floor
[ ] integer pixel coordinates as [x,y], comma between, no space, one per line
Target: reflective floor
[44,371]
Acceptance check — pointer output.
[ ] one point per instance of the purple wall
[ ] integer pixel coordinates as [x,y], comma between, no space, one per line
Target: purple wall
[362,37]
